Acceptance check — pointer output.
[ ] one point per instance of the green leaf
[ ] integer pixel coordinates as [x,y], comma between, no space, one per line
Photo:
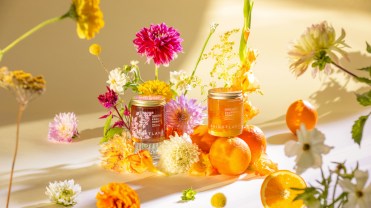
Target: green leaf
[367,68]
[364,99]
[357,128]
[364,80]
[107,125]
[368,48]
[111,133]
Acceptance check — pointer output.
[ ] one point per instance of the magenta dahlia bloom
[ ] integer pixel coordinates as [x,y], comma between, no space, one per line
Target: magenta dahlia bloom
[63,129]
[158,42]
[183,115]
[108,99]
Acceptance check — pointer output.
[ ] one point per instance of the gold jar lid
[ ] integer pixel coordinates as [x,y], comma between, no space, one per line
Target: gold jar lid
[224,93]
[148,100]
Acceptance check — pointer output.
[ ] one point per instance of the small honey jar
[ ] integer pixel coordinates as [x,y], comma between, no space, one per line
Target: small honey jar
[225,112]
[147,122]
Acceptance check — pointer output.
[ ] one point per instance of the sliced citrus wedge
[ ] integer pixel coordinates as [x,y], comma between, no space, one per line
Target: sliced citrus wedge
[276,190]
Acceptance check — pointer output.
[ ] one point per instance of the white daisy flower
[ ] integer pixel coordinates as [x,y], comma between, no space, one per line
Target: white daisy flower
[308,149]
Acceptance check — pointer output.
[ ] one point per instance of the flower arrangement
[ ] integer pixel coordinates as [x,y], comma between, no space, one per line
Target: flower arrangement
[162,44]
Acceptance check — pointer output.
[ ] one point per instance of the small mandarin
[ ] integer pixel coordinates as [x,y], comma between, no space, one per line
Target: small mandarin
[230,156]
[255,138]
[301,111]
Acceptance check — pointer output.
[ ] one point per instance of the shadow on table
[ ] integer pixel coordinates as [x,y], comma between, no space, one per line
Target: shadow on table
[30,184]
[90,134]
[333,102]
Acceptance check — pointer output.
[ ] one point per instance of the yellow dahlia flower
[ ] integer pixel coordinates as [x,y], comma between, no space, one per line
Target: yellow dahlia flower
[89,18]
[155,87]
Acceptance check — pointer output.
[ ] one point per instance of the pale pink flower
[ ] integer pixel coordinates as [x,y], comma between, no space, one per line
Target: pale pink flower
[63,129]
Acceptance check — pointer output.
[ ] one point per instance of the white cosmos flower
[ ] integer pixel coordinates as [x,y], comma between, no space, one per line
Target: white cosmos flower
[117,79]
[308,149]
[359,196]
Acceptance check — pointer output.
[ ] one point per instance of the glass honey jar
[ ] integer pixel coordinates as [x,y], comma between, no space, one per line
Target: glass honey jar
[225,112]
[147,122]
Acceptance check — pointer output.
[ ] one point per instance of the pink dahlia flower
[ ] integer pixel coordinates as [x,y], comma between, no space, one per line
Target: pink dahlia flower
[183,115]
[63,129]
[108,99]
[158,42]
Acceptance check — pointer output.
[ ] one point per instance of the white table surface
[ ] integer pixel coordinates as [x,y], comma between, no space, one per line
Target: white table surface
[275,24]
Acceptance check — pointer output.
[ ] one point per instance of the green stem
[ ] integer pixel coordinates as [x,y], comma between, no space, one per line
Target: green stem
[345,70]
[156,72]
[335,186]
[20,112]
[212,30]
[30,32]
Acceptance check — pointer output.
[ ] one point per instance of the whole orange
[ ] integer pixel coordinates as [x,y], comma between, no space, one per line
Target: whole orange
[255,138]
[301,111]
[202,138]
[230,156]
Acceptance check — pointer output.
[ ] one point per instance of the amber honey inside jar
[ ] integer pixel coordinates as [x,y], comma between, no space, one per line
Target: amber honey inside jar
[147,122]
[225,112]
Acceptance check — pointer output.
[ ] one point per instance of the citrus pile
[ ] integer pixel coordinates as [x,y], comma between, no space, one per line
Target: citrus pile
[301,111]
[276,190]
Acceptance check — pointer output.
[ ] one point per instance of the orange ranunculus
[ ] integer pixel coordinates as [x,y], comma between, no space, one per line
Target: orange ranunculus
[140,162]
[115,195]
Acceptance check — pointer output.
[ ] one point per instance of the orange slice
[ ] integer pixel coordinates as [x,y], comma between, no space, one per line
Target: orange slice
[276,190]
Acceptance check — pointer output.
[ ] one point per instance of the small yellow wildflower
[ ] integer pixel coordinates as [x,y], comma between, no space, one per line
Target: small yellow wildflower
[155,87]
[89,18]
[218,200]
[95,49]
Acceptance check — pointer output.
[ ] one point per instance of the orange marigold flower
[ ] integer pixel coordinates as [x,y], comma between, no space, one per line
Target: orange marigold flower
[119,195]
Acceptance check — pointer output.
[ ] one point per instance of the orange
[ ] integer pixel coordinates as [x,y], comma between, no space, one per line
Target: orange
[230,156]
[255,138]
[301,111]
[202,138]
[276,190]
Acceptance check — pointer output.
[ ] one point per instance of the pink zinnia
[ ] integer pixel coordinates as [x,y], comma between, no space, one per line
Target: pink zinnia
[183,115]
[158,42]
[108,99]
[63,129]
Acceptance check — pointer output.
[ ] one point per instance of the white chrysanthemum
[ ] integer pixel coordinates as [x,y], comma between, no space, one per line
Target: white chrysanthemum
[117,80]
[359,196]
[63,192]
[308,149]
[177,154]
[317,38]
[180,80]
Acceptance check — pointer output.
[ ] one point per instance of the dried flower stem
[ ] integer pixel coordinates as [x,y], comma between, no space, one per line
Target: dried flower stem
[21,109]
